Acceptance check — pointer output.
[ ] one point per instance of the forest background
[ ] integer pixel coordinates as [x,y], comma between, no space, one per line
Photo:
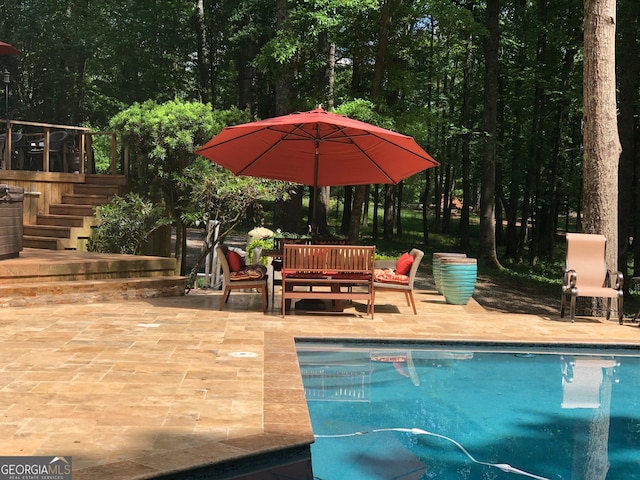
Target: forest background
[419,65]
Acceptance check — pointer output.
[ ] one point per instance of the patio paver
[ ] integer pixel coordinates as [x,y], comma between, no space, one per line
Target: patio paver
[139,388]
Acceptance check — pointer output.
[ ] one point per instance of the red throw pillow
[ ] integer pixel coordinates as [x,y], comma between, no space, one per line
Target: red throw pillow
[403,265]
[235,261]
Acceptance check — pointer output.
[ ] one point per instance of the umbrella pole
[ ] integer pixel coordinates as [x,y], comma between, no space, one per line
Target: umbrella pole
[314,223]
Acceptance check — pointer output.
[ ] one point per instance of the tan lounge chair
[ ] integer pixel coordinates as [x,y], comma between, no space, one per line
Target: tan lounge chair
[407,288]
[260,284]
[586,273]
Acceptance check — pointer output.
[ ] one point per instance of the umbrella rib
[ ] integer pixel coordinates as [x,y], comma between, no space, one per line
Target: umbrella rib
[333,137]
[232,139]
[243,169]
[374,162]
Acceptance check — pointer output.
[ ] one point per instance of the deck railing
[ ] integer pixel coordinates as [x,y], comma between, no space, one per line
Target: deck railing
[77,155]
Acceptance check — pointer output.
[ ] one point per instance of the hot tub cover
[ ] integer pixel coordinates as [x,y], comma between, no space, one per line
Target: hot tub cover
[11,194]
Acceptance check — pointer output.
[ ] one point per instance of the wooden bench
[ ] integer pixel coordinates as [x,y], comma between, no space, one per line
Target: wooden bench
[338,267]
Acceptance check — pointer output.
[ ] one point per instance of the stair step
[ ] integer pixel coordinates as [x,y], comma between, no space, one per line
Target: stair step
[65,220]
[56,231]
[48,243]
[120,180]
[67,225]
[64,209]
[44,266]
[85,199]
[90,291]
[91,189]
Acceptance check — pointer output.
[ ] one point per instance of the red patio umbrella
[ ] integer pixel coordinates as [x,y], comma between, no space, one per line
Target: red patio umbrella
[6,49]
[317,148]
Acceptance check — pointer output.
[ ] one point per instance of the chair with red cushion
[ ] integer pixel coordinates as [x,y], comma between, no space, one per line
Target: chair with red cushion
[234,281]
[397,280]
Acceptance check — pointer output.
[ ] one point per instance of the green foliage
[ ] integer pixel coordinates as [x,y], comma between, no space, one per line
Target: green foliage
[209,192]
[163,138]
[101,145]
[264,244]
[365,111]
[124,224]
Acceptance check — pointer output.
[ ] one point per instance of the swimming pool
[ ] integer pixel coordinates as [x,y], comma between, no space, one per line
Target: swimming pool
[392,411]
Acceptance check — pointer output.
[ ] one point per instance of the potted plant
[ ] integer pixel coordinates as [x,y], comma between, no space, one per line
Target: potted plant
[255,247]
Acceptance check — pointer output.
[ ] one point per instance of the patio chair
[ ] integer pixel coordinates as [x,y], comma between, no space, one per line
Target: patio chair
[586,274]
[56,144]
[582,379]
[239,284]
[393,282]
[15,138]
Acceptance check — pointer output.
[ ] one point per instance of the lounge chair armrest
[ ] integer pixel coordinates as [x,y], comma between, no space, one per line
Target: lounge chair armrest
[568,278]
[619,279]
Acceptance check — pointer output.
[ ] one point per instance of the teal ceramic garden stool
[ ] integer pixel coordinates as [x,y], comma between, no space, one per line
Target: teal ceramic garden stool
[459,276]
[437,275]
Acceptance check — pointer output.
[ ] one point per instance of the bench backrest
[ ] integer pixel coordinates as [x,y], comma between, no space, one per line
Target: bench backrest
[323,258]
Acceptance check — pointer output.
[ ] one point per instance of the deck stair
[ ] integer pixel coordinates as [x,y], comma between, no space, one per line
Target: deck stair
[44,277]
[67,225]
[54,266]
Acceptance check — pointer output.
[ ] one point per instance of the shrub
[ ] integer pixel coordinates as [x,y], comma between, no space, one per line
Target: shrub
[124,224]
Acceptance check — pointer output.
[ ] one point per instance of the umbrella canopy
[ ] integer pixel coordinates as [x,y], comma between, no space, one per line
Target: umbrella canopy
[317,148]
[6,49]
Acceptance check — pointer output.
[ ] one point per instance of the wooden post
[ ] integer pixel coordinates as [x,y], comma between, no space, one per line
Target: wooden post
[114,154]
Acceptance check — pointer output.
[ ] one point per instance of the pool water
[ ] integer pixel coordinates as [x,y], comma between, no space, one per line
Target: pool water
[449,412]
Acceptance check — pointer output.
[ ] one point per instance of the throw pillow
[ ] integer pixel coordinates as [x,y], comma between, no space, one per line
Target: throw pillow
[403,266]
[235,261]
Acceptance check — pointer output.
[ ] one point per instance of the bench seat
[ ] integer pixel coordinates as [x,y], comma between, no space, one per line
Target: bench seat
[338,267]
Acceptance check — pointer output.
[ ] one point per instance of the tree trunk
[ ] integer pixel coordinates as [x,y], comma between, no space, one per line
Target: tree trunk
[600,138]
[387,221]
[331,74]
[376,204]
[437,190]
[465,239]
[512,239]
[288,214]
[627,180]
[487,248]
[447,197]
[321,199]
[203,53]
[365,207]
[398,210]
[537,142]
[346,212]
[553,196]
[425,206]
[181,247]
[356,214]
[380,68]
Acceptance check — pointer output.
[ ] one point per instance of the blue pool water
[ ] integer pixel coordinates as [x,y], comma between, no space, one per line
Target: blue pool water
[451,412]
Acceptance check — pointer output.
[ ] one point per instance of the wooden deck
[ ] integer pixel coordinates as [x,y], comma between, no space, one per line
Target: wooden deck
[45,277]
